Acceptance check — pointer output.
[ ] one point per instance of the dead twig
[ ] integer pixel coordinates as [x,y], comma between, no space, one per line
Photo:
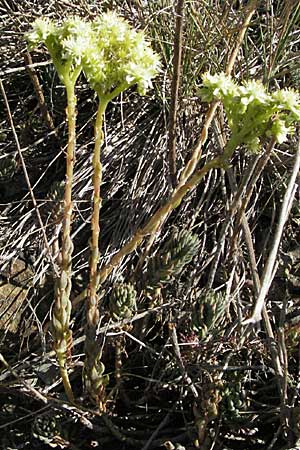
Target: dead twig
[175,91]
[27,386]
[39,92]
[27,178]
[269,272]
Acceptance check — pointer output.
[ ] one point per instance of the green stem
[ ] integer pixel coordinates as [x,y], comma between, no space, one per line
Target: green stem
[68,205]
[93,368]
[66,382]
[156,220]
[62,308]
[92,304]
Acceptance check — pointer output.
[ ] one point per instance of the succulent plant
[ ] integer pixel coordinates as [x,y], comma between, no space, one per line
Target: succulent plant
[207,311]
[234,401]
[45,428]
[8,168]
[177,252]
[60,40]
[122,301]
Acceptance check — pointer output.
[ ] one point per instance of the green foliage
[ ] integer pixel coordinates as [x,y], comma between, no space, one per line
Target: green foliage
[45,428]
[122,301]
[207,312]
[8,167]
[253,112]
[178,251]
[234,401]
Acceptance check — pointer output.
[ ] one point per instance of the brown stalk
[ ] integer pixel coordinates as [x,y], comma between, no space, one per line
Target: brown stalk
[38,90]
[177,57]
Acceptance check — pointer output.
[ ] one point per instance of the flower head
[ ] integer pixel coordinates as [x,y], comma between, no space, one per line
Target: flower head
[112,54]
[76,39]
[65,42]
[288,100]
[279,130]
[42,29]
[119,57]
[253,91]
[217,86]
[250,109]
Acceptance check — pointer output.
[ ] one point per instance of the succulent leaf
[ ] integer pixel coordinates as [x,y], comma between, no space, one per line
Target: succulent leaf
[178,251]
[208,311]
[122,302]
[234,401]
[8,167]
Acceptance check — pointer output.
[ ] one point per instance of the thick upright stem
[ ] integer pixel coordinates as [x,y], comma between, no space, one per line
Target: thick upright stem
[62,308]
[92,304]
[93,368]
[67,245]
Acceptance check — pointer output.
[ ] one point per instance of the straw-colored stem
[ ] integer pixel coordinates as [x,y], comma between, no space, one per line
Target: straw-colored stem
[67,385]
[174,201]
[92,300]
[67,245]
[62,308]
[161,214]
[93,368]
[157,218]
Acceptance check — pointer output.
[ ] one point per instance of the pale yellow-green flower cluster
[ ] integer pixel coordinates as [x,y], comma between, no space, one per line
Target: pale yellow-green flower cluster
[253,112]
[111,54]
[121,56]
[64,43]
